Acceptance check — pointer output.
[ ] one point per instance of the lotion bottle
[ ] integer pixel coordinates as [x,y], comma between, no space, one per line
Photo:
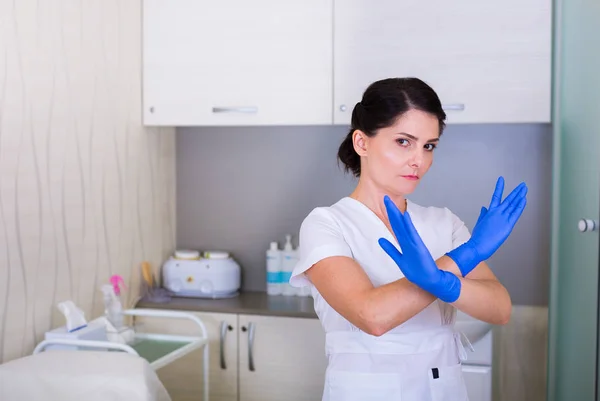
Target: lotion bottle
[274,259]
[290,259]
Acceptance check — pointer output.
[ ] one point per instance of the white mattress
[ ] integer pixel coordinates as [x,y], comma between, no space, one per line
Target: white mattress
[80,376]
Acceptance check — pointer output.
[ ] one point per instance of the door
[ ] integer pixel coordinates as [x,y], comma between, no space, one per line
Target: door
[489,61]
[237,62]
[281,358]
[573,309]
[183,377]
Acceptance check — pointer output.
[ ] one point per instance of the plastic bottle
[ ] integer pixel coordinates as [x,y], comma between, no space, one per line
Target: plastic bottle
[74,316]
[113,307]
[274,259]
[289,262]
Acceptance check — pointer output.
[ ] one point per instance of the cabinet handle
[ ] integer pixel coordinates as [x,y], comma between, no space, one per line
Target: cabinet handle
[587,225]
[454,106]
[224,328]
[251,328]
[250,109]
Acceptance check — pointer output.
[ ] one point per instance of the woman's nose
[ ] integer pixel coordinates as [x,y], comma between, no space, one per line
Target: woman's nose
[417,159]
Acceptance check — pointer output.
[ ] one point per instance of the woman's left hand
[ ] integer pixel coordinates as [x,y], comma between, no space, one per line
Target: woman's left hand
[493,227]
[415,261]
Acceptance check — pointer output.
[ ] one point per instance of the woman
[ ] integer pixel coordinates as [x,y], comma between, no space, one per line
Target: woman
[387,274]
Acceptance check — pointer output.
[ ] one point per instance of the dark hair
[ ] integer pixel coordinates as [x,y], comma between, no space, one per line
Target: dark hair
[381,105]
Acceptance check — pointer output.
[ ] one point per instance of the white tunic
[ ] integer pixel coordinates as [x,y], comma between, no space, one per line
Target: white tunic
[418,360]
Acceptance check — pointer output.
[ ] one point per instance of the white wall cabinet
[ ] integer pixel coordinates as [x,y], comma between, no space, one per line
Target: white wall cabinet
[490,62]
[252,358]
[267,62]
[237,62]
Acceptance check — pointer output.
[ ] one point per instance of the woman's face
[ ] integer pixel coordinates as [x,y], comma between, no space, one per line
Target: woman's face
[397,157]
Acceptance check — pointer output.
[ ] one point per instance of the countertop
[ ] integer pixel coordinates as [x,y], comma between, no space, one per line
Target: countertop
[248,303]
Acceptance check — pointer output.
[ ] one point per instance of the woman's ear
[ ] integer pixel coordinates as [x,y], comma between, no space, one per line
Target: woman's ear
[359,140]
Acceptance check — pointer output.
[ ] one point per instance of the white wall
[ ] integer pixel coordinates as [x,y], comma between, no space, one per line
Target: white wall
[85,190]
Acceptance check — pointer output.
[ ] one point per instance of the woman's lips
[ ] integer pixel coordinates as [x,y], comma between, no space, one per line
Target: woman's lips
[411,177]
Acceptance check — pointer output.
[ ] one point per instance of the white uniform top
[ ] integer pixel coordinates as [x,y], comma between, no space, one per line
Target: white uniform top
[349,228]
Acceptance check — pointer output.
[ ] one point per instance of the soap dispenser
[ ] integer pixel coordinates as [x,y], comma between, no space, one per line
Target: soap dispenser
[290,259]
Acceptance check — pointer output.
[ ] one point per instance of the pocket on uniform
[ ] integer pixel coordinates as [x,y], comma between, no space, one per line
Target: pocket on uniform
[356,386]
[447,384]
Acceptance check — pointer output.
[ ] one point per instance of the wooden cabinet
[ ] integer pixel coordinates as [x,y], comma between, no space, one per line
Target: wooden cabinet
[252,358]
[490,62]
[237,62]
[281,359]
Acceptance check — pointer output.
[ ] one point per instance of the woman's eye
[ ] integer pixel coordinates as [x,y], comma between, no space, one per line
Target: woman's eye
[430,146]
[402,141]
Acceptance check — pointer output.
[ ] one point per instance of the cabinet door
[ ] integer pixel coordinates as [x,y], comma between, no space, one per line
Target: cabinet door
[281,359]
[479,382]
[183,378]
[237,62]
[489,62]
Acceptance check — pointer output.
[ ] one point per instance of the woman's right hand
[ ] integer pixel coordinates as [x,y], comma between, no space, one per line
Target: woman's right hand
[493,227]
[415,261]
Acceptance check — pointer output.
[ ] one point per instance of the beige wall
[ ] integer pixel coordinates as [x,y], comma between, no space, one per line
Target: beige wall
[85,190]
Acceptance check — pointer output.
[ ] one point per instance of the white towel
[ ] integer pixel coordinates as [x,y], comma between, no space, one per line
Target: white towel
[80,376]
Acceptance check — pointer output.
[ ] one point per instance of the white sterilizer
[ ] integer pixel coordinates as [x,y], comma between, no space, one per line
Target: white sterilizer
[208,275]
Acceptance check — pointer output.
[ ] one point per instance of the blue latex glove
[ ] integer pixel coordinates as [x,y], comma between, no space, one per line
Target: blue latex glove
[493,227]
[415,261]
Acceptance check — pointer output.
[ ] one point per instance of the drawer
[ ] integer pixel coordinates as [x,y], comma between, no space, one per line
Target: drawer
[478,380]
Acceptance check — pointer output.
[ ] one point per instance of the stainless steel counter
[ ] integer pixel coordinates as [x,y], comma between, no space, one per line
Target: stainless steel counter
[249,303]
